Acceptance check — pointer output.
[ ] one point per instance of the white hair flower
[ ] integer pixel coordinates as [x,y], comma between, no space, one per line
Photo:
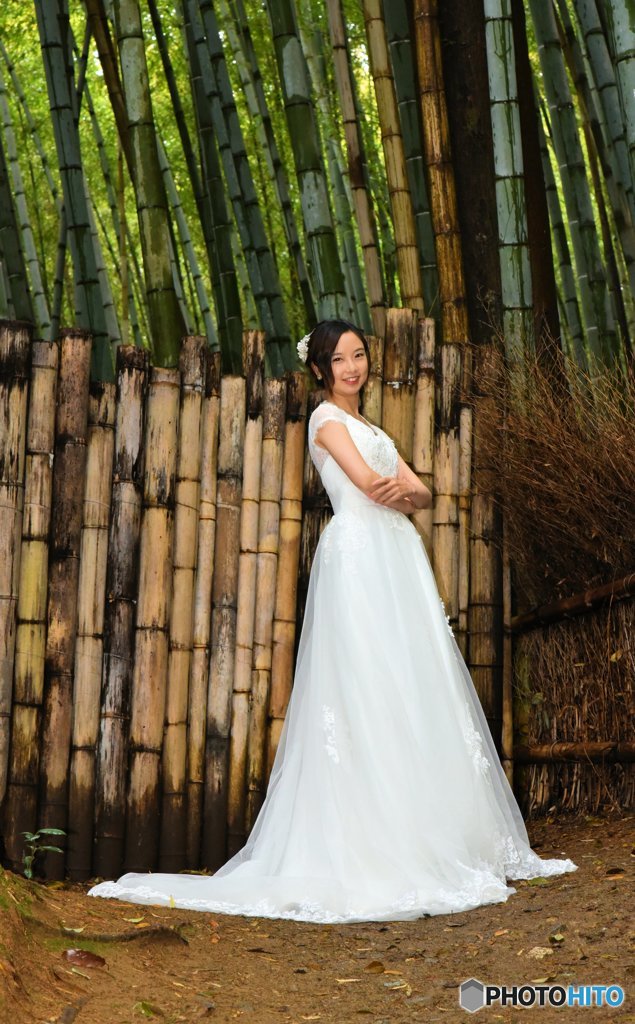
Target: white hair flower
[303,347]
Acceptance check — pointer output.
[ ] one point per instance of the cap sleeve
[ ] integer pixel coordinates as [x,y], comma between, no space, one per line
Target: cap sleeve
[321,415]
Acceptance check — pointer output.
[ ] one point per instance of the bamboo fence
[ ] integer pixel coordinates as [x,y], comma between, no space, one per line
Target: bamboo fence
[157,535]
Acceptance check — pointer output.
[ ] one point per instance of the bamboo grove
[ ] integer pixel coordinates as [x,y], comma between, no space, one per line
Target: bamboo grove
[212,167]
[187,188]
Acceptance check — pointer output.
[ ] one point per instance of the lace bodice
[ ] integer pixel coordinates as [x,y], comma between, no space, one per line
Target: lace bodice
[376,448]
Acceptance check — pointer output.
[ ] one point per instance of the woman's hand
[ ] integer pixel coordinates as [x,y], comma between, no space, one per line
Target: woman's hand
[393,492]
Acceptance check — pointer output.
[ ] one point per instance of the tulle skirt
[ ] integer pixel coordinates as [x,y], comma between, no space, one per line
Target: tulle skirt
[387,800]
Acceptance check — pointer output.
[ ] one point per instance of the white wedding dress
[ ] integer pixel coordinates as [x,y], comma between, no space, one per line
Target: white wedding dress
[387,800]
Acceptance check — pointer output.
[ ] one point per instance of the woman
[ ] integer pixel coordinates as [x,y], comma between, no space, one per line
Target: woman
[386,799]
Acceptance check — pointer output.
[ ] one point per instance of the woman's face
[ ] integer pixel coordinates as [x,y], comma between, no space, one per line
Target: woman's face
[349,366]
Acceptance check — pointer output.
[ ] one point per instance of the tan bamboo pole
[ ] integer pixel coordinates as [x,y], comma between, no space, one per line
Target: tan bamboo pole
[253,361]
[357,166]
[275,400]
[15,354]
[224,598]
[465,482]
[119,612]
[71,424]
[487,660]
[20,808]
[445,522]
[317,511]
[202,610]
[149,679]
[610,751]
[284,621]
[398,399]
[423,432]
[453,366]
[373,392]
[507,734]
[576,604]
[188,470]
[403,218]
[90,628]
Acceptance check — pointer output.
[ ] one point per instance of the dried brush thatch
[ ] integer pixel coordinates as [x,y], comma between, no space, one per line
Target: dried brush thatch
[565,477]
[575,681]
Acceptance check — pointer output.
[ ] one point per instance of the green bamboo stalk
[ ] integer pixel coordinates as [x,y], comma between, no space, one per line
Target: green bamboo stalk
[59,275]
[30,123]
[511,208]
[236,24]
[52,21]
[281,356]
[6,303]
[118,260]
[108,305]
[234,185]
[97,21]
[598,321]
[358,168]
[177,279]
[360,312]
[188,247]
[307,156]
[336,177]
[16,302]
[570,310]
[620,22]
[40,304]
[387,249]
[410,283]
[313,46]
[119,223]
[249,303]
[400,34]
[166,320]
[219,248]
[609,243]
[605,82]
[179,112]
[37,143]
[108,302]
[202,201]
[597,139]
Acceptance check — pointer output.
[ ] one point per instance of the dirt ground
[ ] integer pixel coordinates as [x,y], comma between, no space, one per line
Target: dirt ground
[173,966]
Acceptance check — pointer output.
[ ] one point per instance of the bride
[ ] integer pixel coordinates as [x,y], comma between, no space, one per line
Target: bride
[386,800]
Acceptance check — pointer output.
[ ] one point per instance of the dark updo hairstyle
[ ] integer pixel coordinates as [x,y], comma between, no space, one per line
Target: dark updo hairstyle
[323,342]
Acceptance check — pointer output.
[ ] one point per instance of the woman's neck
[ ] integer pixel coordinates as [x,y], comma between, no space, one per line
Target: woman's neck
[350,405]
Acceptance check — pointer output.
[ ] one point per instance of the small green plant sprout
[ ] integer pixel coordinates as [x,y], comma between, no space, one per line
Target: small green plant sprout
[34,843]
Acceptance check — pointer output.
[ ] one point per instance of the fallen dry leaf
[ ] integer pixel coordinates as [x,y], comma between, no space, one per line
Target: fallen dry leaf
[539,952]
[375,967]
[83,958]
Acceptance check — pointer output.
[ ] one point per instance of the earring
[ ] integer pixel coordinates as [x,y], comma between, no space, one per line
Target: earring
[319,378]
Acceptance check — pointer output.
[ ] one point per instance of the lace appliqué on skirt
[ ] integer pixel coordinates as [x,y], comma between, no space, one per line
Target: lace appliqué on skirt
[527,864]
[396,520]
[348,535]
[447,618]
[474,742]
[328,723]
